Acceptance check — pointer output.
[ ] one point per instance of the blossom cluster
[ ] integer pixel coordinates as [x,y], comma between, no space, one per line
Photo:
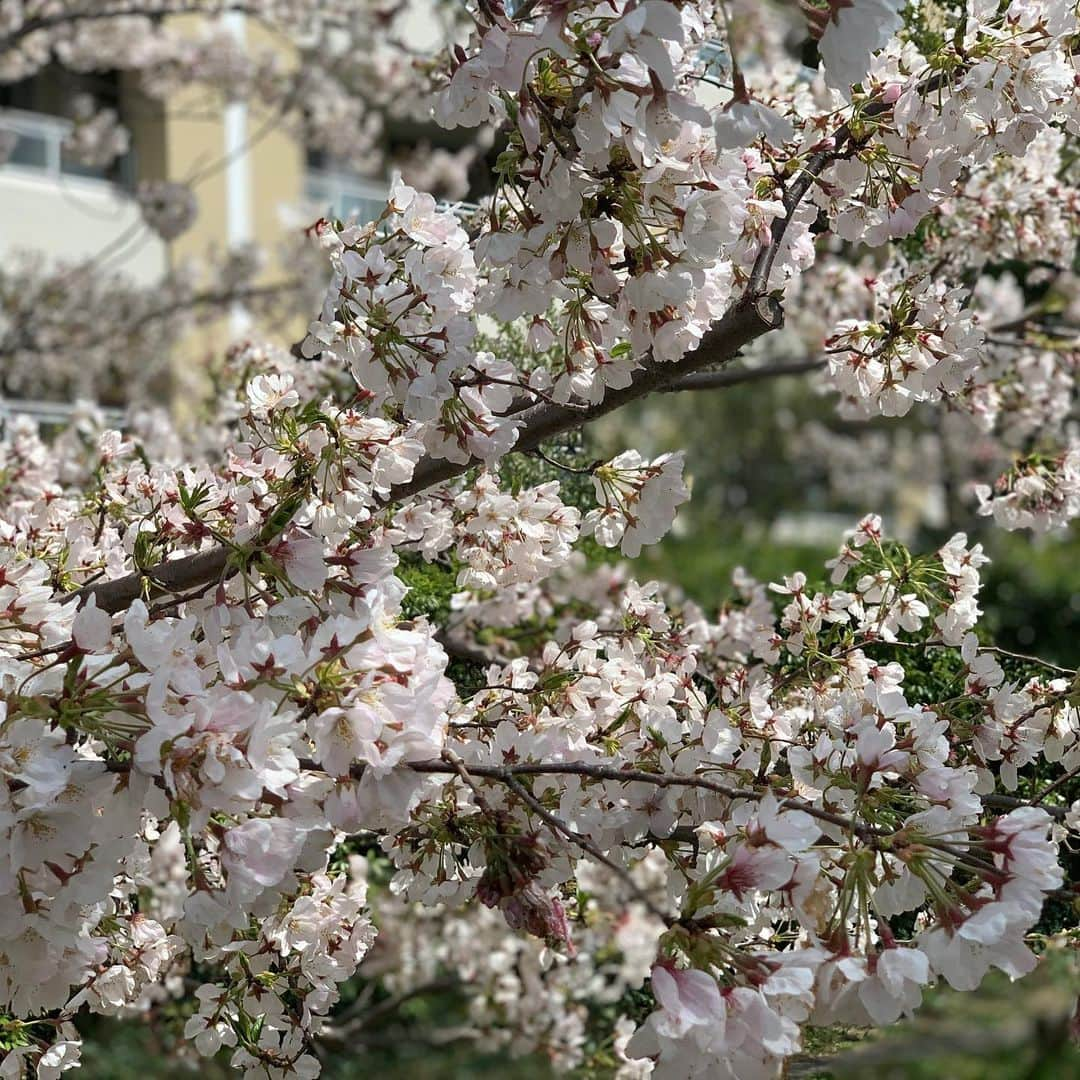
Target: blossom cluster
[233,741]
[919,344]
[213,751]
[1035,494]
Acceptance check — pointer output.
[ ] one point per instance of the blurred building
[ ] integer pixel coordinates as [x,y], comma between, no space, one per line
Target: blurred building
[253,181]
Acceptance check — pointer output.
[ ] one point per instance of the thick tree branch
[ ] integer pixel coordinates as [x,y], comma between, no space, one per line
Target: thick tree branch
[176,575]
[747,320]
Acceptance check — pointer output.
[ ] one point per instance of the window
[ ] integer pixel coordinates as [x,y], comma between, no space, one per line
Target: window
[34,122]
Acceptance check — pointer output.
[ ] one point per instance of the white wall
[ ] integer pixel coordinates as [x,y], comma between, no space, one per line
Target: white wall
[69,218]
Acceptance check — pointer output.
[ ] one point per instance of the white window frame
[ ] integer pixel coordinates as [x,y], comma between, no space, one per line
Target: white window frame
[51,130]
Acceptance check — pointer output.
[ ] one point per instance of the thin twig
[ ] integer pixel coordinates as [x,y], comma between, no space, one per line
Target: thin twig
[588,471]
[1059,783]
[715,380]
[1011,802]
[349,1023]
[560,826]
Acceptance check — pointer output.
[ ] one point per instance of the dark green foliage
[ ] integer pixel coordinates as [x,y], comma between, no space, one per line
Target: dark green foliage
[1032,597]
[431,585]
[703,565]
[1005,1031]
[930,675]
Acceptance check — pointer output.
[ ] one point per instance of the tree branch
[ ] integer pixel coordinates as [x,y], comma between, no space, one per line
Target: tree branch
[204,299]
[506,773]
[101,10]
[350,1023]
[556,824]
[842,142]
[1057,785]
[750,318]
[1010,802]
[714,380]
[450,764]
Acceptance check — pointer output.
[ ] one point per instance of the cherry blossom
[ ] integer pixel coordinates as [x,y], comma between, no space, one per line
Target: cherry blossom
[227,696]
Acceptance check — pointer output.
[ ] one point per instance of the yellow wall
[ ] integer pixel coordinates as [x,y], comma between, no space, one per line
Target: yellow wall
[192,144]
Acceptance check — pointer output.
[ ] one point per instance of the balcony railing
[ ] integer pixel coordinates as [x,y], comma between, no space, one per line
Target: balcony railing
[344,196]
[39,147]
[53,413]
